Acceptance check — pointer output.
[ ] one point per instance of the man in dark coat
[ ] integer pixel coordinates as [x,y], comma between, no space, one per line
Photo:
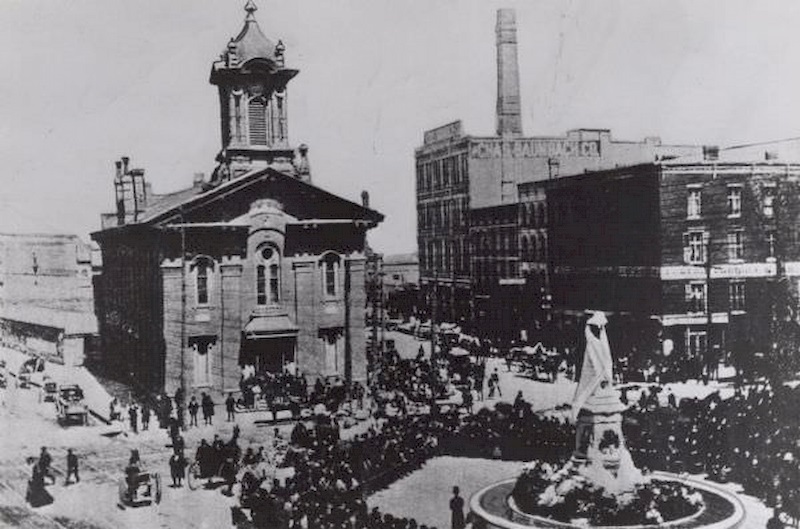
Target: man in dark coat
[456,510]
[72,467]
[133,417]
[230,407]
[193,407]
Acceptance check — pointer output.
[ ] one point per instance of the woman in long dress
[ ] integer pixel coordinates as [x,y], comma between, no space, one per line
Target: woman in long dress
[37,494]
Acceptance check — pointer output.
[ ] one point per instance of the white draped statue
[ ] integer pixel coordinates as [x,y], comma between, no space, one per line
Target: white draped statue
[597,364]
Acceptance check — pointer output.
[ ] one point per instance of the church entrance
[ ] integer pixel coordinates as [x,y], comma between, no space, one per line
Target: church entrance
[270,355]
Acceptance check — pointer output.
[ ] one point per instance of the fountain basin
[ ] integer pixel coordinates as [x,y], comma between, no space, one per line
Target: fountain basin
[495,506]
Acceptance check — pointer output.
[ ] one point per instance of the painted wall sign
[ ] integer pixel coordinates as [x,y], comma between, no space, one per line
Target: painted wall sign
[533,148]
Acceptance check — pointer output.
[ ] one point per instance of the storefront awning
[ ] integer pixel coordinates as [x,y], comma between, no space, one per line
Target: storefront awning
[272,326]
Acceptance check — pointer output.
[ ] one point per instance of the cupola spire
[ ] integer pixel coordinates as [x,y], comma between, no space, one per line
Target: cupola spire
[251,76]
[251,8]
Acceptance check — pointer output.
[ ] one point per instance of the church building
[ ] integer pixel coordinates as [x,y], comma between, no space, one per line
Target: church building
[255,266]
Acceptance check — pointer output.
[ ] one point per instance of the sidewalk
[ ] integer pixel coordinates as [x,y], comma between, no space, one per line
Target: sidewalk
[97,398]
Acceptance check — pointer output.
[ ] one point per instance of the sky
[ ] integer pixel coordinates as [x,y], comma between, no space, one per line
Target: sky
[87,81]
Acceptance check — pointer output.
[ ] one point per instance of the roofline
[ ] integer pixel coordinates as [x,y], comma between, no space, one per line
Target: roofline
[241,181]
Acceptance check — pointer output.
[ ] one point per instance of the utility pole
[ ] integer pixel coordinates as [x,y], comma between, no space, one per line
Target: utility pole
[709,314]
[183,304]
[433,311]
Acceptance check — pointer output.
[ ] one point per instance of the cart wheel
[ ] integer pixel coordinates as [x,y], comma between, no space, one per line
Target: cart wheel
[193,476]
[157,486]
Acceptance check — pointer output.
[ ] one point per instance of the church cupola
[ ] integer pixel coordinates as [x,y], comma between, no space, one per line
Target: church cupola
[252,78]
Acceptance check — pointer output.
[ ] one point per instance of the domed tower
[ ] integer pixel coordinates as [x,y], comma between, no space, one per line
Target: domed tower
[251,78]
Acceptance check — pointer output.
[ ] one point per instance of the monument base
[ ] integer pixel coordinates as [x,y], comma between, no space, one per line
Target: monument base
[495,508]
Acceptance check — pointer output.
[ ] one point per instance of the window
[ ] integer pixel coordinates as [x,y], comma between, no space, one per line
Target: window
[734,200]
[694,203]
[696,297]
[695,342]
[202,348]
[333,346]
[274,283]
[694,250]
[203,267]
[735,245]
[330,275]
[770,244]
[769,200]
[268,285]
[736,295]
[257,117]
[237,117]
[261,285]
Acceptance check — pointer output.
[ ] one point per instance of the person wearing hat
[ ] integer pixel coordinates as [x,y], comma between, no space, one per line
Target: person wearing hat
[456,510]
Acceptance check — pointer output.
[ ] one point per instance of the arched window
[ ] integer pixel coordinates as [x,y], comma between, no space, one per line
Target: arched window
[534,248]
[203,268]
[257,119]
[524,248]
[268,277]
[237,117]
[330,265]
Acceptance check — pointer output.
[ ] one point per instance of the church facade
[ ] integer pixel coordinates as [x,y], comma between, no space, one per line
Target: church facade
[255,267]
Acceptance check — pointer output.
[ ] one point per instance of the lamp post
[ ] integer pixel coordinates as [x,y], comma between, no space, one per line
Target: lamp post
[709,314]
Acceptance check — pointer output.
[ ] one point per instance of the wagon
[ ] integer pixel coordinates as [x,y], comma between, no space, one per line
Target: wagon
[70,405]
[49,391]
[146,492]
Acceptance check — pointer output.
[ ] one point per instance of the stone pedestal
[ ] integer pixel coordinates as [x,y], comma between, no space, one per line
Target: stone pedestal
[599,430]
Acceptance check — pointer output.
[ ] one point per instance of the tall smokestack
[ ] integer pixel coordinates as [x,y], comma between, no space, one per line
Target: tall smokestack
[509,119]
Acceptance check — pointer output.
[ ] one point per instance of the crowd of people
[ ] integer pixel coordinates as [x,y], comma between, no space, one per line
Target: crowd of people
[750,438]
[332,477]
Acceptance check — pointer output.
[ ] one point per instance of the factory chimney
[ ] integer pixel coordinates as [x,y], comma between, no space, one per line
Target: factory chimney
[509,119]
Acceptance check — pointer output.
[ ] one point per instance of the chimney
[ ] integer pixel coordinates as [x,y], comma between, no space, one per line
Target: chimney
[125,161]
[118,164]
[365,198]
[509,119]
[710,153]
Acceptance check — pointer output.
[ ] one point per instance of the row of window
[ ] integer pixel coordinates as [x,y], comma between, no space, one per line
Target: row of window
[449,213]
[488,272]
[697,296]
[695,245]
[441,173]
[499,243]
[268,277]
[533,215]
[532,248]
[694,201]
[444,256]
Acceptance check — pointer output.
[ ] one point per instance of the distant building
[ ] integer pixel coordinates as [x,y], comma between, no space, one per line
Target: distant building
[696,246]
[457,173]
[46,305]
[256,266]
[400,271]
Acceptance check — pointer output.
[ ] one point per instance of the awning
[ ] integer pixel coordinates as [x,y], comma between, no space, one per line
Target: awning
[272,326]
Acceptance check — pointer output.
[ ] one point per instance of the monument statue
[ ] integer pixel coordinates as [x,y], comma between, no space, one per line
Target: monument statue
[597,408]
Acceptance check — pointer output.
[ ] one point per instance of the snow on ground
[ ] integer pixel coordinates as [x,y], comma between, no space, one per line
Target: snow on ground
[425,494]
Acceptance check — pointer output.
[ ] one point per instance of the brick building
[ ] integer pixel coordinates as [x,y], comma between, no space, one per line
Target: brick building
[256,266]
[699,248]
[46,305]
[457,173]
